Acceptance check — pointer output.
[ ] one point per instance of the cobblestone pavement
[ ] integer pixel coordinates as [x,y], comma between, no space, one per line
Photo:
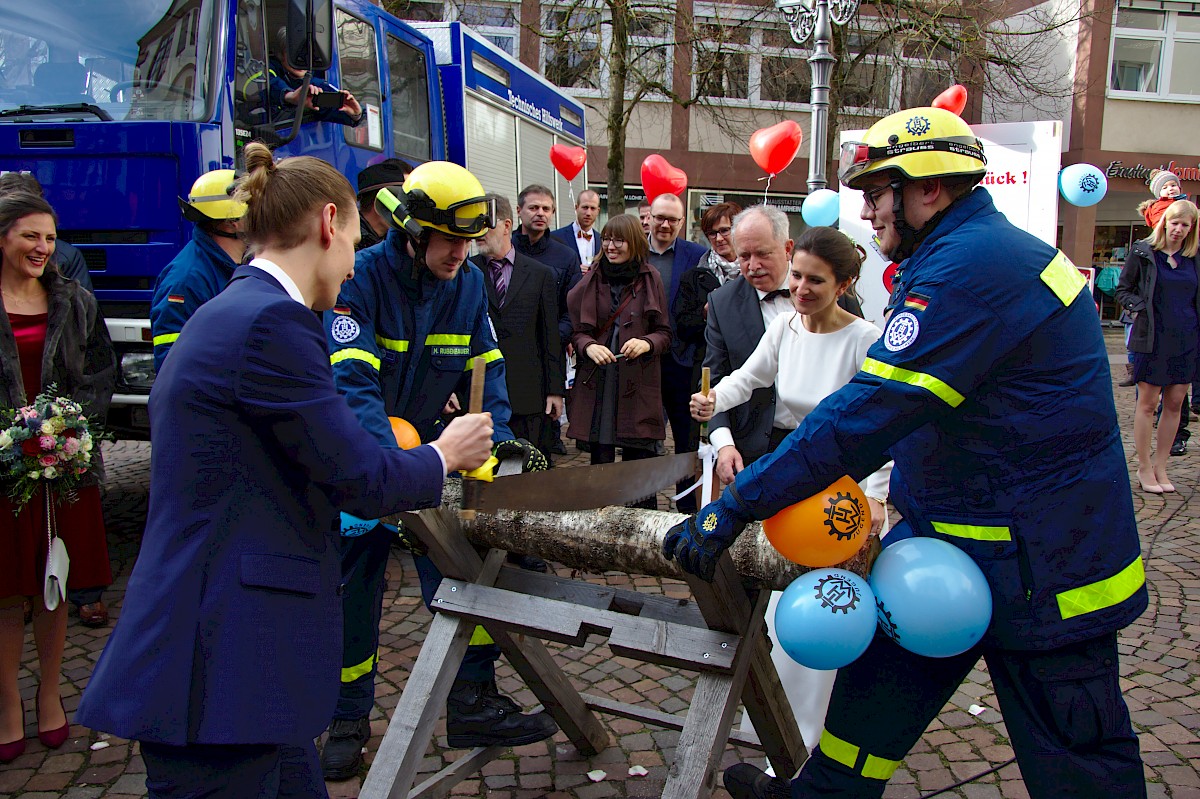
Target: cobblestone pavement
[1160,669]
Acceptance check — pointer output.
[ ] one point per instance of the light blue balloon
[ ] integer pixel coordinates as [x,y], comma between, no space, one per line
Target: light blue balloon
[1082,184]
[820,208]
[932,598]
[826,618]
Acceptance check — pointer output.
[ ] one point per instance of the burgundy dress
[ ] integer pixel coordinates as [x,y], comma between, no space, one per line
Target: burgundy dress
[80,523]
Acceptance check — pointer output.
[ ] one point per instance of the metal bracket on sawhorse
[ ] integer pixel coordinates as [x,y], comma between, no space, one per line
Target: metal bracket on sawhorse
[721,636]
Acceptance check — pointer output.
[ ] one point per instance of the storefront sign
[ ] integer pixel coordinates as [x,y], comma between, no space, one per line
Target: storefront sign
[1117,169]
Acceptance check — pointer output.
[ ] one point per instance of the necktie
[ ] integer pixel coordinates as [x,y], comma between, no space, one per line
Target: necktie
[770,295]
[584,234]
[498,280]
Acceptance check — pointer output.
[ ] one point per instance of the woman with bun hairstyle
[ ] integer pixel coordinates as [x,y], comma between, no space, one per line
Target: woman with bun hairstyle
[807,355]
[225,663]
[1159,286]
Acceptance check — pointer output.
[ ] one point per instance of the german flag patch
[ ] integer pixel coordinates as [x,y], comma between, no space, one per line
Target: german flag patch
[341,309]
[916,302]
[175,298]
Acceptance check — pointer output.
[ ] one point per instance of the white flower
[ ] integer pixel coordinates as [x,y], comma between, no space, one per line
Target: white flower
[6,440]
[50,472]
[85,442]
[47,429]
[35,474]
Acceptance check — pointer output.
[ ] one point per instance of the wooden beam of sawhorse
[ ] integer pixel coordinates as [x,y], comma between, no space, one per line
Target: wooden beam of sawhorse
[730,653]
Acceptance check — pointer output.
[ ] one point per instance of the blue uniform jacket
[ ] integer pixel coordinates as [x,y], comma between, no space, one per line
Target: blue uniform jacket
[282,82]
[232,627]
[400,346]
[193,277]
[990,388]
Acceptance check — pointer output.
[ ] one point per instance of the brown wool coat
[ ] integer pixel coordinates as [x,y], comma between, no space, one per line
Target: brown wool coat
[639,394]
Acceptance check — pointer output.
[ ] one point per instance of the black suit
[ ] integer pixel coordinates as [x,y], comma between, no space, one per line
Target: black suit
[527,332]
[735,326]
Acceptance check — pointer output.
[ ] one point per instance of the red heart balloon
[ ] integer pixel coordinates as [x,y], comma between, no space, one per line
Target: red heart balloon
[568,160]
[953,99]
[774,148]
[659,177]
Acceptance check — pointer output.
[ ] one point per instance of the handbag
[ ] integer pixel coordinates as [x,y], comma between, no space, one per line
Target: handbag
[58,563]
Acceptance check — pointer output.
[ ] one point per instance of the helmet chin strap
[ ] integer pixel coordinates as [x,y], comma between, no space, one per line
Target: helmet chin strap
[910,237]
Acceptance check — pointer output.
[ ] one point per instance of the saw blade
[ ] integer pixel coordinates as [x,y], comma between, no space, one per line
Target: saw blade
[582,488]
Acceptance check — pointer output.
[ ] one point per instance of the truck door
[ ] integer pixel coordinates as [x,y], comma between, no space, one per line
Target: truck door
[412,92]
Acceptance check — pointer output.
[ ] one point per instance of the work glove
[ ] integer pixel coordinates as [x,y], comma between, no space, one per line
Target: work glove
[353,527]
[532,460]
[698,541]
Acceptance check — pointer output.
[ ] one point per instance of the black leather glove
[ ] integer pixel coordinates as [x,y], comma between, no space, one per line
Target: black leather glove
[698,541]
[532,460]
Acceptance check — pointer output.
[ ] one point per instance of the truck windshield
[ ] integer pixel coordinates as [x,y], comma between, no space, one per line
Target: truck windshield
[119,59]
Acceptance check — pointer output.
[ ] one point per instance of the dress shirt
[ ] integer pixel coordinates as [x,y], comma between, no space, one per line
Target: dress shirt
[587,247]
[274,270]
[664,262]
[508,261]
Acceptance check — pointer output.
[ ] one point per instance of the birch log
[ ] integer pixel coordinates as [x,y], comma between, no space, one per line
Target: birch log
[624,539]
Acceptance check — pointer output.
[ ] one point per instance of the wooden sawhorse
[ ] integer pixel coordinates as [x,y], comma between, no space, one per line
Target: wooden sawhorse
[721,635]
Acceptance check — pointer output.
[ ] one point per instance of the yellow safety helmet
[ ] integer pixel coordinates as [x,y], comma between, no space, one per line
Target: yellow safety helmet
[917,143]
[210,199]
[438,195]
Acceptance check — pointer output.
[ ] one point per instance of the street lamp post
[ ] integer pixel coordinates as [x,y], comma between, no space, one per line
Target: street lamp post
[813,18]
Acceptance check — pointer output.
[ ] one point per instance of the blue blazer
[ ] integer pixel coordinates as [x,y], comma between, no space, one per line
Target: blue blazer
[232,627]
[566,235]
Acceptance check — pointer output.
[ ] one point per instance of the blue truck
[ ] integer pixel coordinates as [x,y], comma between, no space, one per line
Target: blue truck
[116,108]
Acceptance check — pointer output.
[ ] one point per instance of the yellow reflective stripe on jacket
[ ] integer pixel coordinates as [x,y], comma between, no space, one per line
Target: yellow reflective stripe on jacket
[448,338]
[165,338]
[354,672]
[1104,593]
[393,344]
[354,354]
[846,753]
[1063,278]
[938,388]
[480,638]
[976,532]
[488,357]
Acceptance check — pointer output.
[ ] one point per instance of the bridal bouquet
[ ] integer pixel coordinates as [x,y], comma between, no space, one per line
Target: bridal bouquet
[46,443]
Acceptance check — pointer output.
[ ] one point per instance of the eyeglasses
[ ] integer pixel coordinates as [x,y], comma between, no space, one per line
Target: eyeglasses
[663,220]
[612,241]
[871,196]
[719,232]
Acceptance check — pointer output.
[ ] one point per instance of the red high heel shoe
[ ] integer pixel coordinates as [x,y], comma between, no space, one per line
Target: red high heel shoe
[11,751]
[52,739]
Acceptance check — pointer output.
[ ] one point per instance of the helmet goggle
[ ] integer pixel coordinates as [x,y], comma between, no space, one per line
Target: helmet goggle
[468,217]
[857,157]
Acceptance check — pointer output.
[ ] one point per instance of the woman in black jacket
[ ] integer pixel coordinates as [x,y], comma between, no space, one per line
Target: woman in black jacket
[1160,287]
[51,332]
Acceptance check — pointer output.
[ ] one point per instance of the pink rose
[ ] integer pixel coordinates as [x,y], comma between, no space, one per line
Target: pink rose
[47,460]
[47,442]
[70,446]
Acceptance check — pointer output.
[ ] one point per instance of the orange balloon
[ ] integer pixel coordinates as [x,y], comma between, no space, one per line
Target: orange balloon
[824,530]
[406,435]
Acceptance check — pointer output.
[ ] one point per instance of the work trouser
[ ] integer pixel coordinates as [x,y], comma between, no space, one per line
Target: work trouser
[1063,710]
[364,562]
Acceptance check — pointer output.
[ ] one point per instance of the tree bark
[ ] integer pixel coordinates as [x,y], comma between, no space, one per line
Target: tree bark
[616,122]
[626,540]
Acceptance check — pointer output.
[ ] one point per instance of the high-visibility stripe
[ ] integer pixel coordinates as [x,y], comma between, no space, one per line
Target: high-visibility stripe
[447,338]
[353,354]
[846,753]
[878,768]
[354,672]
[393,344]
[938,388]
[977,532]
[488,357]
[1103,594]
[843,752]
[1063,278]
[165,338]
[480,637]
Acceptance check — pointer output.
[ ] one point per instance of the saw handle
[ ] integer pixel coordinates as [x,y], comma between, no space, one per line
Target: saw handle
[705,380]
[474,405]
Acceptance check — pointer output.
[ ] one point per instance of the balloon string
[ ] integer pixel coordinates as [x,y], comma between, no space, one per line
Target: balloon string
[768,187]
[571,192]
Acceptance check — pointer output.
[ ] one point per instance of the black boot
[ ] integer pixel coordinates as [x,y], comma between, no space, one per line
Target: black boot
[744,781]
[342,757]
[478,715]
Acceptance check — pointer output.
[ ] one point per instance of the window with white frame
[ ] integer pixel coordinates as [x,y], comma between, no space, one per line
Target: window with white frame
[497,22]
[578,38]
[571,55]
[1155,54]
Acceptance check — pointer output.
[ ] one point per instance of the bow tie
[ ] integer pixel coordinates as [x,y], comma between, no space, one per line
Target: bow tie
[586,235]
[770,295]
